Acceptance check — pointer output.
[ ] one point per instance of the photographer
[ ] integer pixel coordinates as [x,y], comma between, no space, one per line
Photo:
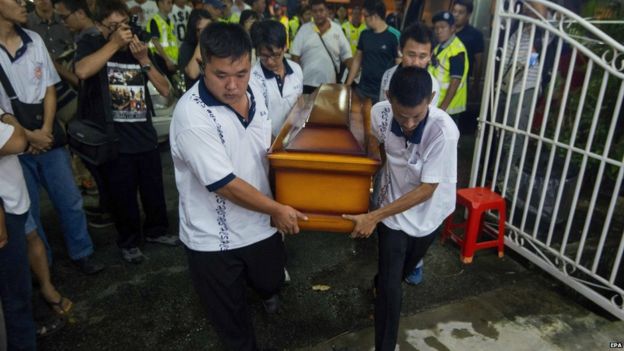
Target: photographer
[115,60]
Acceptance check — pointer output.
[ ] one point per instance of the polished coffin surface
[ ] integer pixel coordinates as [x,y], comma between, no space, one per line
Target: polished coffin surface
[324,157]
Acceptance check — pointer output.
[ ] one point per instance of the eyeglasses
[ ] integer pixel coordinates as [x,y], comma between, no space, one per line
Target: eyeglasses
[114,25]
[275,56]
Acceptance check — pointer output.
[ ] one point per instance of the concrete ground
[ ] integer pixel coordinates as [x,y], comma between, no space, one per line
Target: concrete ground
[492,304]
[528,317]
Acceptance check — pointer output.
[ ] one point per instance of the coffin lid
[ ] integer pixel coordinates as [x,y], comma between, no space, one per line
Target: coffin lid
[327,128]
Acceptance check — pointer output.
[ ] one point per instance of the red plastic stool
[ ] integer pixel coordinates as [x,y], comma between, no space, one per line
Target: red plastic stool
[477,201]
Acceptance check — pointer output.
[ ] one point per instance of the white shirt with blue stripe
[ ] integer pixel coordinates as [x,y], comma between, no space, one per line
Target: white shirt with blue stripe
[31,71]
[428,155]
[211,145]
[280,95]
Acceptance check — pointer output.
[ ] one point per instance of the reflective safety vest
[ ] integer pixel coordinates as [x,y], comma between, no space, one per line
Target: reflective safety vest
[167,39]
[293,28]
[353,34]
[440,69]
[233,18]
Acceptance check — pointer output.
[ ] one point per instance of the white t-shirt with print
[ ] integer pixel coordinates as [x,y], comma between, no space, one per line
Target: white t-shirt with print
[278,103]
[385,86]
[317,66]
[180,16]
[433,160]
[210,147]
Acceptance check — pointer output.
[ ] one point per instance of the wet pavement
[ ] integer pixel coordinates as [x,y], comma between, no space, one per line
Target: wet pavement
[153,305]
[528,317]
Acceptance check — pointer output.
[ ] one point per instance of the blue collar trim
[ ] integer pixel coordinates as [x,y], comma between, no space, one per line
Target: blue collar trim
[268,74]
[416,136]
[22,50]
[210,100]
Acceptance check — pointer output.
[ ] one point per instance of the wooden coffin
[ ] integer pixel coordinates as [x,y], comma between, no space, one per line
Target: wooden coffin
[324,157]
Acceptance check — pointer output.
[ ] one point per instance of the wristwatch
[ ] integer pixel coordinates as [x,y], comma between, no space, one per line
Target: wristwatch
[146,67]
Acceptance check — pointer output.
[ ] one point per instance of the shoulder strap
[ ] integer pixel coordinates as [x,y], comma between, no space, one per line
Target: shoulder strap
[7,84]
[336,69]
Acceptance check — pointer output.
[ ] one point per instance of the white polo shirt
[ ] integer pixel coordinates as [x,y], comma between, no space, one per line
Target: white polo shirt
[318,68]
[30,72]
[211,146]
[429,155]
[385,86]
[279,95]
[13,191]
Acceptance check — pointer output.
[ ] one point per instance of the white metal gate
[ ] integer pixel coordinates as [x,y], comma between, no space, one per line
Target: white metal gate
[553,144]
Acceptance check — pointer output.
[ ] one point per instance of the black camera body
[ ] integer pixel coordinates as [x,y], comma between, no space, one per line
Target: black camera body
[137,30]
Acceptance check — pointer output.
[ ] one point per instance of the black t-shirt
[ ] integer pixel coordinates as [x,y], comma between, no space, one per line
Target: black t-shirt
[379,51]
[119,89]
[473,41]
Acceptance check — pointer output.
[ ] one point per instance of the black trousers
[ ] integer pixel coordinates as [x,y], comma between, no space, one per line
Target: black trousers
[221,279]
[398,255]
[125,176]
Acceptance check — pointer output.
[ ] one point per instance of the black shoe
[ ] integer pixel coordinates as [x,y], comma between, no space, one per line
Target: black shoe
[100,221]
[272,304]
[87,266]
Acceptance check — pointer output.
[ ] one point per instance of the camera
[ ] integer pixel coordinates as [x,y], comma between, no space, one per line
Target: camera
[137,30]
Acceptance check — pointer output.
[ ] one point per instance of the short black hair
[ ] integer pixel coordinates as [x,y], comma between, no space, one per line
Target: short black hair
[224,40]
[410,86]
[194,17]
[375,7]
[75,5]
[107,8]
[419,33]
[268,34]
[247,14]
[465,3]
[317,2]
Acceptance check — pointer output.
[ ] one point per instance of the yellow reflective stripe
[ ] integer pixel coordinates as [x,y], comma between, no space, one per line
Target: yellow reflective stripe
[168,40]
[443,75]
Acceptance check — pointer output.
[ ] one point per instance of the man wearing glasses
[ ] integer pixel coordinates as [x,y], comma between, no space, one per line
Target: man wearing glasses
[279,79]
[115,67]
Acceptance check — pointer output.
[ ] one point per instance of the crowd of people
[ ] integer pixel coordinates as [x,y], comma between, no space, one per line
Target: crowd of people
[238,67]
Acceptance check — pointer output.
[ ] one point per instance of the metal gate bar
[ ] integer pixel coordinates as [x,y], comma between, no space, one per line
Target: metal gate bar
[585,256]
